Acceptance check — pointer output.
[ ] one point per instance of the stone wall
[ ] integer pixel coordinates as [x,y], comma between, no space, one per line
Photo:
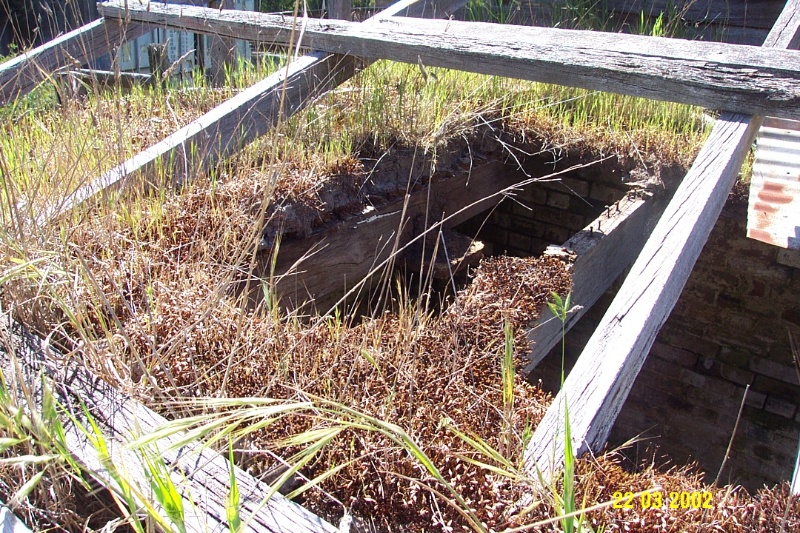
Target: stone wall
[728,330]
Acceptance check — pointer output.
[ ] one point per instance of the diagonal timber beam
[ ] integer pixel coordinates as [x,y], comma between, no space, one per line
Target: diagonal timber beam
[742,79]
[240,120]
[602,378]
[20,75]
[599,254]
[201,474]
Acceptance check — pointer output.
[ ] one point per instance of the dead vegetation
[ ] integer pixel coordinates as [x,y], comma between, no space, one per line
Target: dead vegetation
[140,291]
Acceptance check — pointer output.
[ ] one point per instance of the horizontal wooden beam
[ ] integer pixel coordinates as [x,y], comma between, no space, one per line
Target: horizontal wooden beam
[736,78]
[238,121]
[201,474]
[599,384]
[20,75]
[598,255]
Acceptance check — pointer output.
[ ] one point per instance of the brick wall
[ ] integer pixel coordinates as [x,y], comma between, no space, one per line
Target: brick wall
[549,212]
[728,330]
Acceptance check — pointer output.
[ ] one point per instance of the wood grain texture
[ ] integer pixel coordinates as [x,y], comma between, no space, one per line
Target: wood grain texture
[736,78]
[20,75]
[340,256]
[601,254]
[600,382]
[201,475]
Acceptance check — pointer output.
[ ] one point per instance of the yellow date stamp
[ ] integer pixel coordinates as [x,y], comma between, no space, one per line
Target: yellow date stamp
[664,500]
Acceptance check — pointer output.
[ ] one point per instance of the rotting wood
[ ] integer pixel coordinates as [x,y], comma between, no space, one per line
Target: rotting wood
[600,382]
[240,120]
[201,475]
[598,255]
[742,79]
[332,260]
[22,74]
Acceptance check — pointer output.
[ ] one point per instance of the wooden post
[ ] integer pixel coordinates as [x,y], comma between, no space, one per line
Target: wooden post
[222,51]
[159,62]
[602,378]
[340,9]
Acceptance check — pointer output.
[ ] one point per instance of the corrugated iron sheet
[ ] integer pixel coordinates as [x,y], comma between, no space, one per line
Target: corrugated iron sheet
[774,208]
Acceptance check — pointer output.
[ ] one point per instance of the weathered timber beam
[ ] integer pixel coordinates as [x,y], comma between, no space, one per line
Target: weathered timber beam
[599,254]
[332,260]
[742,79]
[238,121]
[9,523]
[20,75]
[200,474]
[227,127]
[600,382]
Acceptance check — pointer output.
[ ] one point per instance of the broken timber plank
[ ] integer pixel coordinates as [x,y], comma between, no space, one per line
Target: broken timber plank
[600,382]
[238,121]
[201,475]
[20,75]
[742,79]
[599,253]
[332,260]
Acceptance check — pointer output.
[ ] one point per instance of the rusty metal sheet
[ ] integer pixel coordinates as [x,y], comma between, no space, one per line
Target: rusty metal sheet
[773,214]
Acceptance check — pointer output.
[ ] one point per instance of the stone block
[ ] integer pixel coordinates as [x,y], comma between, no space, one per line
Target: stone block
[692,378]
[774,369]
[557,217]
[676,356]
[734,356]
[534,194]
[790,258]
[603,193]
[691,343]
[519,241]
[558,200]
[780,407]
[755,399]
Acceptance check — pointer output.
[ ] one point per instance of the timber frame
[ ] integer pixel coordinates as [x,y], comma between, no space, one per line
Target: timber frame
[744,82]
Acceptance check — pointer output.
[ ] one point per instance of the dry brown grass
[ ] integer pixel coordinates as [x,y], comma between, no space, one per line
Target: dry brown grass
[140,290]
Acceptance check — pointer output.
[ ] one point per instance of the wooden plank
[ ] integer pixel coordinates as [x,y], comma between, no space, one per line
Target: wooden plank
[20,75]
[598,254]
[200,474]
[236,122]
[600,382]
[737,78]
[350,251]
